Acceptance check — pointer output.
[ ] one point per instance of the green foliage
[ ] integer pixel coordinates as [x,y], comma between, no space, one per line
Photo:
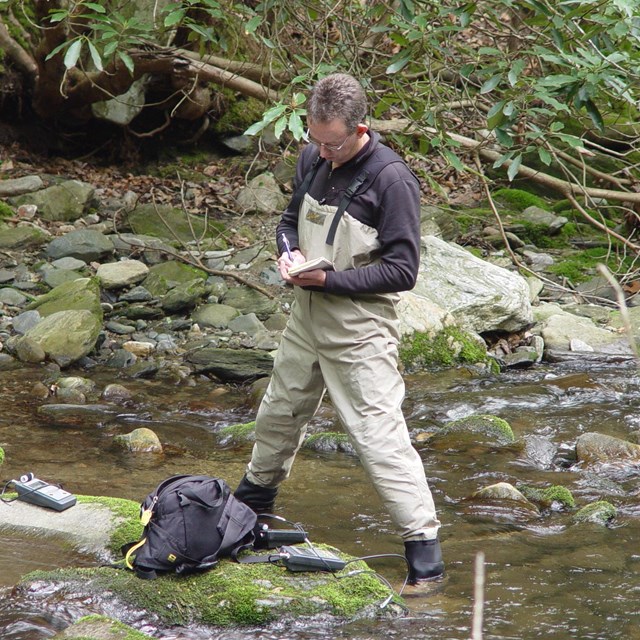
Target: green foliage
[6,211]
[1,455]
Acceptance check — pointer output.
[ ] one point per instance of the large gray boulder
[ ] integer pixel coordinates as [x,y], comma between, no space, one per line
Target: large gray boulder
[66,336]
[481,296]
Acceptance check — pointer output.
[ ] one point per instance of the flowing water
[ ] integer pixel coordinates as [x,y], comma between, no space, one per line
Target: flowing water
[545,578]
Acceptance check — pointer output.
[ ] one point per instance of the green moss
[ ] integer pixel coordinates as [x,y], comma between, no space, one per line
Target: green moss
[96,626]
[1,455]
[328,441]
[581,266]
[238,433]
[491,426]
[239,115]
[519,199]
[128,527]
[232,593]
[449,347]
[599,512]
[546,497]
[6,211]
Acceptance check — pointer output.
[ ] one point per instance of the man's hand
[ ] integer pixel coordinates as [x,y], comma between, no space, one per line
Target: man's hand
[315,278]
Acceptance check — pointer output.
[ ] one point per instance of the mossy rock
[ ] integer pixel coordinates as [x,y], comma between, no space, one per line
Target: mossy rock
[6,211]
[495,430]
[76,295]
[238,433]
[518,199]
[449,347]
[545,498]
[127,526]
[329,442]
[95,627]
[600,512]
[230,594]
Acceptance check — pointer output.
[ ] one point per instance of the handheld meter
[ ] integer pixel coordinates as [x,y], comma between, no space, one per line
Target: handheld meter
[31,489]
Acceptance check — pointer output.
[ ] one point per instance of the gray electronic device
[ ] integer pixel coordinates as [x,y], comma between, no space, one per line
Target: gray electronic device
[36,491]
[296,559]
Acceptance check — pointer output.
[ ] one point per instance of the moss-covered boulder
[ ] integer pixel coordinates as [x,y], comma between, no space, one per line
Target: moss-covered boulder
[449,347]
[328,442]
[599,512]
[167,275]
[141,440]
[175,226]
[83,293]
[95,627]
[549,497]
[487,428]
[231,594]
[238,433]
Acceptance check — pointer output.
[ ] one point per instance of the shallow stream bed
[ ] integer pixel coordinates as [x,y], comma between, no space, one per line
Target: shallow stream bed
[546,577]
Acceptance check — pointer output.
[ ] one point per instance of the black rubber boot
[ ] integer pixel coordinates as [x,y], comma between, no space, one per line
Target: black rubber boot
[425,560]
[260,499]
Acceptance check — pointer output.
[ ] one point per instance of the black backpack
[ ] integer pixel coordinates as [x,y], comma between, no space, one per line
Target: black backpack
[189,522]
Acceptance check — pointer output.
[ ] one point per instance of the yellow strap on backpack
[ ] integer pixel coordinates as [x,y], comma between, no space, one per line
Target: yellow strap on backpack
[130,552]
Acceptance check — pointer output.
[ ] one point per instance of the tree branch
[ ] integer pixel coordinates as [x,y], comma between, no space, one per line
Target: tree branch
[18,54]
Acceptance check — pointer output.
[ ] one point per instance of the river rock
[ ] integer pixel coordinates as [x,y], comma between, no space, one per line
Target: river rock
[167,275]
[130,245]
[183,297]
[29,351]
[481,296]
[560,329]
[262,195]
[598,447]
[18,186]
[25,321]
[215,315]
[81,294]
[25,237]
[599,512]
[66,336]
[118,275]
[248,300]
[84,244]
[142,440]
[11,297]
[116,393]
[62,202]
[248,323]
[231,365]
[491,429]
[170,224]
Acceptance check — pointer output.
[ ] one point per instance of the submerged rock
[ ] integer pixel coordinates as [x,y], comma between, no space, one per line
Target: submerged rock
[597,447]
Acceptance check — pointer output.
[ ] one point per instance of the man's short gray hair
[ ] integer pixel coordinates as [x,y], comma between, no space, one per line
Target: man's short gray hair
[338,96]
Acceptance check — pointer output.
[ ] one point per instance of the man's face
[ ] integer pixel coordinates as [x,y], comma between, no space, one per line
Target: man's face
[335,142]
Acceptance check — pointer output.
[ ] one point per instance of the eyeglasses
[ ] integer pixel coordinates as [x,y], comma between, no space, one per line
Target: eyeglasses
[306,136]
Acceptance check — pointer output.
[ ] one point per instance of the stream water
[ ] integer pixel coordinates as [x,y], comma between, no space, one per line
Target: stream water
[546,578]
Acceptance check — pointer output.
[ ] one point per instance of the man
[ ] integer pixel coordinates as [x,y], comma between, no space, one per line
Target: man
[357,204]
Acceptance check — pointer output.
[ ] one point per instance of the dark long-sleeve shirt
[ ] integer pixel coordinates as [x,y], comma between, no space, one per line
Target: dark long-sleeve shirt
[390,204]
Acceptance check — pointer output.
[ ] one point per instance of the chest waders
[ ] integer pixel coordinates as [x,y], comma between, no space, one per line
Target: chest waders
[348,346]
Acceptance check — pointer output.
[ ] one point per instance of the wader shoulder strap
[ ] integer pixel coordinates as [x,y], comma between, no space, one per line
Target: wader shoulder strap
[296,199]
[383,158]
[344,203]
